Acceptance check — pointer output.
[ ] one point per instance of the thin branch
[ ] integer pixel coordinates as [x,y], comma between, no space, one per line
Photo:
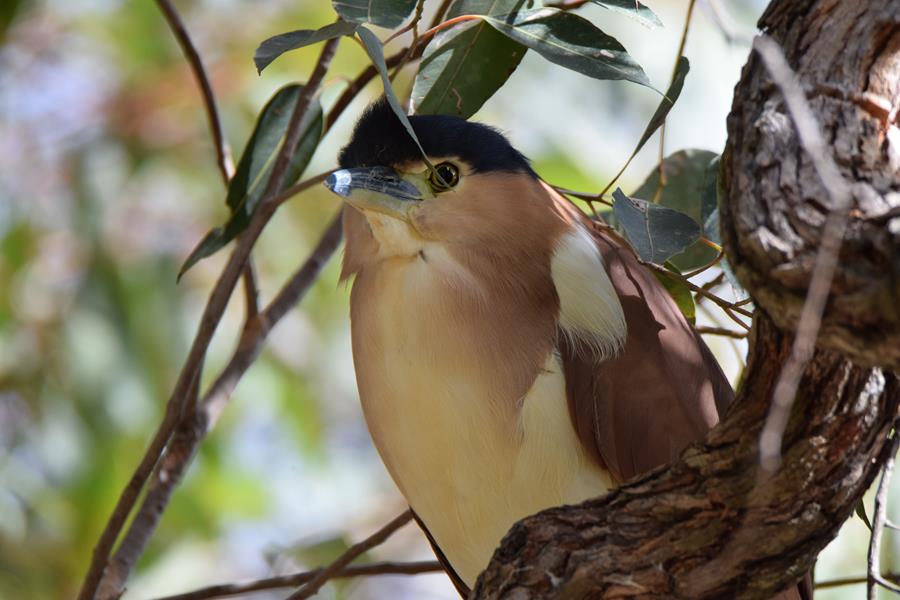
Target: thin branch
[678,55]
[879,516]
[350,555]
[839,191]
[212,314]
[192,429]
[220,145]
[722,331]
[415,39]
[223,152]
[441,11]
[724,23]
[271,583]
[844,581]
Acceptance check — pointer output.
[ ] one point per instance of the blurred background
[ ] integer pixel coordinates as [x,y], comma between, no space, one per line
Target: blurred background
[108,180]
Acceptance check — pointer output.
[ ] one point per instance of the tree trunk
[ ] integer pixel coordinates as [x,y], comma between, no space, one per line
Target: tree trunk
[713,525]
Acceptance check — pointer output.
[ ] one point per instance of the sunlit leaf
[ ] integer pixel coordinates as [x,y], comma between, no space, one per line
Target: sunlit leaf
[679,291]
[633,9]
[275,46]
[685,174]
[384,13]
[374,49]
[248,184]
[656,232]
[462,68]
[570,41]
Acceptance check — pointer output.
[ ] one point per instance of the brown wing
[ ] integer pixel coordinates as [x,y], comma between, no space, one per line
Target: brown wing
[663,391]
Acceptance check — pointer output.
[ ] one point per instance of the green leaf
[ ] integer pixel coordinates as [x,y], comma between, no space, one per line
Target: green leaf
[666,104]
[656,232]
[8,11]
[633,9]
[684,190]
[570,41]
[679,291]
[861,513]
[376,53]
[246,188]
[483,7]
[275,46]
[384,13]
[462,68]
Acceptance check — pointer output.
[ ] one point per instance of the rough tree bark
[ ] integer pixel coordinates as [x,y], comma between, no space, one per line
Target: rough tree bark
[712,525]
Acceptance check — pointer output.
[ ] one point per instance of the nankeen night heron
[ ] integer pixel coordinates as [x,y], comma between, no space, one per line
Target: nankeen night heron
[509,356]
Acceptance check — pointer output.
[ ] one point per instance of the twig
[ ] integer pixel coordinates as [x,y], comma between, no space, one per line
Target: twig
[381,568]
[838,189]
[350,555]
[722,331]
[708,265]
[441,11]
[738,355]
[724,24]
[414,25]
[212,314]
[843,581]
[223,152]
[879,516]
[678,55]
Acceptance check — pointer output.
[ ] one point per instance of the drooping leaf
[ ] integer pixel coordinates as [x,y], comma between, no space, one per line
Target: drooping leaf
[462,68]
[374,49]
[679,291]
[666,104]
[568,40]
[656,232]
[275,46]
[685,175]
[246,188]
[633,9]
[384,13]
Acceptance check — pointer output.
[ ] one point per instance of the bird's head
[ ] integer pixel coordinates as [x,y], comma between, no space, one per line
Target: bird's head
[481,198]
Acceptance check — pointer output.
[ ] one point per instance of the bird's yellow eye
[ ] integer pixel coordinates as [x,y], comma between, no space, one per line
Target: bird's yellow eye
[443,177]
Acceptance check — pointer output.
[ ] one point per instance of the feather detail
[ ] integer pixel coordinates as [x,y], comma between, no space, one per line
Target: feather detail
[590,314]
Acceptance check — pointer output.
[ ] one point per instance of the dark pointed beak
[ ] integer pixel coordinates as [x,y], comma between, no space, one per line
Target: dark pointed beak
[380,189]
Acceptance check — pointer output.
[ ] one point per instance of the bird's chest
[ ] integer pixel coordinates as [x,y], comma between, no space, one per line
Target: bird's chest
[472,443]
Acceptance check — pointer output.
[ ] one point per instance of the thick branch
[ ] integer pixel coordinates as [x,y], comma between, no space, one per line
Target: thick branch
[714,525]
[847,56]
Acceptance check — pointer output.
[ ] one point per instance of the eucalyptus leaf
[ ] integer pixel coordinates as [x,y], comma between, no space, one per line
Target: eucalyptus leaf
[633,9]
[656,232]
[679,291]
[685,174]
[666,104]
[384,13]
[462,68]
[571,41]
[374,49]
[275,46]
[246,188]
[485,7]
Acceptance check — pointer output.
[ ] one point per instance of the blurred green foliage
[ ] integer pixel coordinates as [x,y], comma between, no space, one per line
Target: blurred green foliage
[108,180]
